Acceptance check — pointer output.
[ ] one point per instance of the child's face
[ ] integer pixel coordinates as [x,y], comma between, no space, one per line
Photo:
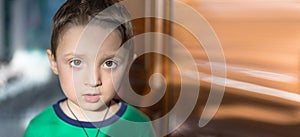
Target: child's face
[90,66]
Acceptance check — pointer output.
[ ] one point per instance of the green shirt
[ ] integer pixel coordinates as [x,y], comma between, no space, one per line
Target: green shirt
[127,122]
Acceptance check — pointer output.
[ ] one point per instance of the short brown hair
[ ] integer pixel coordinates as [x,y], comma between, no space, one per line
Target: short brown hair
[82,12]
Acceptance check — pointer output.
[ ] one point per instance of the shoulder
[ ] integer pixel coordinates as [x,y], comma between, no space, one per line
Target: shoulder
[134,122]
[46,115]
[40,122]
[133,114]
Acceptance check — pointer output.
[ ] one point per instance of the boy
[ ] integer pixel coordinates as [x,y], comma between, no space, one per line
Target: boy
[91,49]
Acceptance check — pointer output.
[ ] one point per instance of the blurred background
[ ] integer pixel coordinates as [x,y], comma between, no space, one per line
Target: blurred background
[27,85]
[259,39]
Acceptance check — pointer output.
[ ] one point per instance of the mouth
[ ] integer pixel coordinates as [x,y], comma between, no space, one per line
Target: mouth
[91,98]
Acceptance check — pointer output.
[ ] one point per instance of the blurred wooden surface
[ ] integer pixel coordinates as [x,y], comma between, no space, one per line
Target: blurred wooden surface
[260,40]
[260,35]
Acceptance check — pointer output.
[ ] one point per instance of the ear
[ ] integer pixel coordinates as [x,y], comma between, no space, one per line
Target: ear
[52,61]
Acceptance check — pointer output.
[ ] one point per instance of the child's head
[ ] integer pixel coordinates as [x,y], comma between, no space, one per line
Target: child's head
[86,50]
[88,12]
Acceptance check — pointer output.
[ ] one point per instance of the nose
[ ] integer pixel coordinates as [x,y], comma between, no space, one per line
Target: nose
[94,78]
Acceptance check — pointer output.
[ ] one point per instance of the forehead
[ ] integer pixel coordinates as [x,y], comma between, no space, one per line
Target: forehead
[90,40]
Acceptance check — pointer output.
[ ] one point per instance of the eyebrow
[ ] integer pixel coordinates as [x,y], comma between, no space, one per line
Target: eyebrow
[110,55]
[73,54]
[104,56]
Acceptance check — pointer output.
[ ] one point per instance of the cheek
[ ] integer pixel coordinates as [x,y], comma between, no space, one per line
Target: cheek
[118,77]
[107,82]
[106,78]
[67,83]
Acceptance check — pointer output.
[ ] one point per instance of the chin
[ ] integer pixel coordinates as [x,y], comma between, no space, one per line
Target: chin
[92,106]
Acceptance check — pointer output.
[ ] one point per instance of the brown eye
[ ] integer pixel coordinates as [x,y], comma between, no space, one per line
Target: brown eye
[76,63]
[110,64]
